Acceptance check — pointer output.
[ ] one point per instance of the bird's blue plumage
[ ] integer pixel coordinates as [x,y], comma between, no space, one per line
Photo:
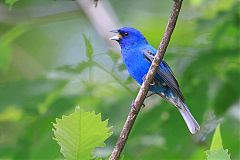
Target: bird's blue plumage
[137,55]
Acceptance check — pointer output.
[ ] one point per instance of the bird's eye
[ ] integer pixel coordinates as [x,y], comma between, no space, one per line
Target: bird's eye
[125,34]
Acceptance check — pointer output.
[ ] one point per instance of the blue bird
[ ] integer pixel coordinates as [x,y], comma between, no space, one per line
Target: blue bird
[137,55]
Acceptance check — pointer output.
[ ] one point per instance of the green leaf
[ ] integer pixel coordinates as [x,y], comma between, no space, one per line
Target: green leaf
[219,154]
[89,48]
[79,133]
[217,140]
[217,151]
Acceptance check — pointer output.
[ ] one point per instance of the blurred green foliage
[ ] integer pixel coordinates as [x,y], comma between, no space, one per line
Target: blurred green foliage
[47,67]
[10,2]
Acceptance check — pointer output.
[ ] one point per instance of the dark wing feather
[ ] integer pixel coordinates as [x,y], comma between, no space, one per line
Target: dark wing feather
[165,74]
[171,72]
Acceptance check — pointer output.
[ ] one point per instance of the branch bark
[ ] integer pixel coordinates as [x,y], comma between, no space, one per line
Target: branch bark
[138,102]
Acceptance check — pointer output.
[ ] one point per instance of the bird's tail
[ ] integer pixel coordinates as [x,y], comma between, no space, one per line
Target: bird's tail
[188,118]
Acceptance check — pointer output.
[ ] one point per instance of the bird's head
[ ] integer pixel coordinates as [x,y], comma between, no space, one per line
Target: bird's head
[127,37]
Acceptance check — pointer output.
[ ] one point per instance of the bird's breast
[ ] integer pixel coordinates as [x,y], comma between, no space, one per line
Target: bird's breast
[136,64]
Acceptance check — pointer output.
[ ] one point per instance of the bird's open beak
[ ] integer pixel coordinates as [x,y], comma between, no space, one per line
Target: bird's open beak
[117,37]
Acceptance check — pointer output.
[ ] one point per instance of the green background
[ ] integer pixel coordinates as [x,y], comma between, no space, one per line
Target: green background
[45,72]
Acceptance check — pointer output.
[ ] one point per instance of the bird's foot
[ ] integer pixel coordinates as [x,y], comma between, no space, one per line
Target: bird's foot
[144,79]
[134,107]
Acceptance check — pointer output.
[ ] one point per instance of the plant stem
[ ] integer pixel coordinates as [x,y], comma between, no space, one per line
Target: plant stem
[113,76]
[136,105]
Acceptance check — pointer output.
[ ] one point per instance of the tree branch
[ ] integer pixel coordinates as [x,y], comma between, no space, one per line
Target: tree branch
[136,105]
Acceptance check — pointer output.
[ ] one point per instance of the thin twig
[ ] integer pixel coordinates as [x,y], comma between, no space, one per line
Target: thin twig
[136,105]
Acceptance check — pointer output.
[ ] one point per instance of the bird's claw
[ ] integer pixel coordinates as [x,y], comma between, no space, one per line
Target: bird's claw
[134,107]
[144,79]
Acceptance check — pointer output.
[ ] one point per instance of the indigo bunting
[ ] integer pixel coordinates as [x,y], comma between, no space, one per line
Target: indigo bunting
[137,55]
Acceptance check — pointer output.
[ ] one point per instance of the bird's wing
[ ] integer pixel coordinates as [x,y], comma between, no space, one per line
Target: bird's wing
[165,73]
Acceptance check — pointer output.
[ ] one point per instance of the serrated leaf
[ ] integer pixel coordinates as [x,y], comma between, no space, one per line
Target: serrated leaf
[79,133]
[89,48]
[219,154]
[217,140]
[217,151]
